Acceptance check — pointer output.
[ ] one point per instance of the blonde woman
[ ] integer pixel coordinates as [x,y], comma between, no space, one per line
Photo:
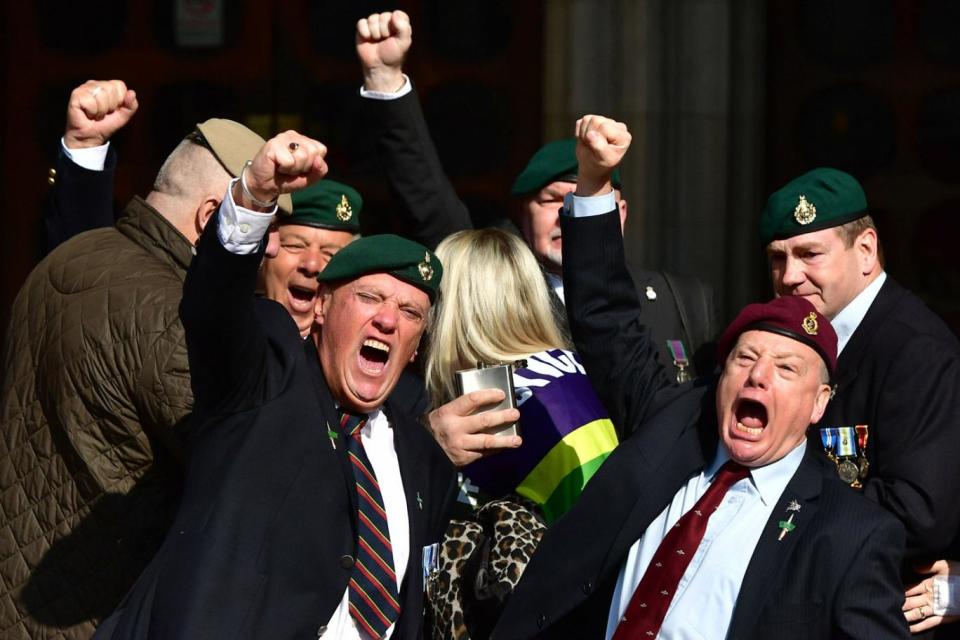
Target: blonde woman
[494,307]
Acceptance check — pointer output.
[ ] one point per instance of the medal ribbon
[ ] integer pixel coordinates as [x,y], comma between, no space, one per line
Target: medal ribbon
[847,445]
[862,435]
[678,352]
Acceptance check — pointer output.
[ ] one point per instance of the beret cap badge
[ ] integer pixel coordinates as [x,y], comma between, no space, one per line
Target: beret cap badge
[810,324]
[805,212]
[426,270]
[344,211]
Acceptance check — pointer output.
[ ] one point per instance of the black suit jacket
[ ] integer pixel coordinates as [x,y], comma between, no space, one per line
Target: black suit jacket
[430,210]
[835,575]
[78,200]
[263,542]
[900,375]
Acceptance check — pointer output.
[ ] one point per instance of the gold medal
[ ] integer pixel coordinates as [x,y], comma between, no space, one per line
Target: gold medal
[848,471]
[864,468]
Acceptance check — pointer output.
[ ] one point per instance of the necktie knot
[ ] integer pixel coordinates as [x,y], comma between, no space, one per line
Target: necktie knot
[351,423]
[729,474]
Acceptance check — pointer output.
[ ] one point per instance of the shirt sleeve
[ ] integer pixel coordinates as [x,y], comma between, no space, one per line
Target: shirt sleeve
[389,95]
[92,158]
[581,207]
[241,230]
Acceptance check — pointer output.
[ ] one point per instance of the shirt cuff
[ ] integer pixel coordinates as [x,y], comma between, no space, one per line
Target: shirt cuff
[389,95]
[946,590]
[91,158]
[582,207]
[241,230]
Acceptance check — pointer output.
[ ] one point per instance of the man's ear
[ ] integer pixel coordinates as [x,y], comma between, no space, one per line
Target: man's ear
[320,307]
[867,246]
[204,211]
[622,205]
[820,403]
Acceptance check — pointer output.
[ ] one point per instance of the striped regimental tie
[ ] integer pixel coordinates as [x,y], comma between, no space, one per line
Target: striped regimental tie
[374,600]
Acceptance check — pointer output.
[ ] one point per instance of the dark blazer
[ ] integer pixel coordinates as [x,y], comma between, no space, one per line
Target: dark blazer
[835,575]
[427,205]
[900,375]
[78,200]
[264,541]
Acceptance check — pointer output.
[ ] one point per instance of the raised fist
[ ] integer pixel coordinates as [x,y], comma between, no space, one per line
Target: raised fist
[98,109]
[383,40]
[601,145]
[287,162]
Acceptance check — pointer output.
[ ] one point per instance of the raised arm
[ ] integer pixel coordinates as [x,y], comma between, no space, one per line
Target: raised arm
[226,342]
[424,198]
[602,302]
[81,196]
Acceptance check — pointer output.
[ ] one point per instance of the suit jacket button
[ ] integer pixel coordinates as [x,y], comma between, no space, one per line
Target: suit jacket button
[541,620]
[587,587]
[322,630]
[346,562]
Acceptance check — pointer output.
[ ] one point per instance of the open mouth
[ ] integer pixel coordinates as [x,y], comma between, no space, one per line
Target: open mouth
[374,355]
[301,293]
[751,416]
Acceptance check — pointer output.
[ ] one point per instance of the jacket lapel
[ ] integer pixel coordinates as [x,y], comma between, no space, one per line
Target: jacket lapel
[768,563]
[853,353]
[330,423]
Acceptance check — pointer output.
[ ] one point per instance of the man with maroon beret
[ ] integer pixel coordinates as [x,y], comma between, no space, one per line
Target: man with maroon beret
[715,518]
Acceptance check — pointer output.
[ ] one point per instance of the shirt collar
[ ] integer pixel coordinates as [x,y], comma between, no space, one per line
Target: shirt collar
[556,283]
[850,317]
[769,480]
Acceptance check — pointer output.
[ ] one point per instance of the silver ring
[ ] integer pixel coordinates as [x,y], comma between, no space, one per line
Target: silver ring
[97,89]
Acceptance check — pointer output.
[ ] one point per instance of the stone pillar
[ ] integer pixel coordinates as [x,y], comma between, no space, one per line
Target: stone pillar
[687,76]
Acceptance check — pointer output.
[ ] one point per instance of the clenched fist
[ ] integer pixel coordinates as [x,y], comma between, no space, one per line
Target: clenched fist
[601,145]
[287,162]
[383,40]
[98,109]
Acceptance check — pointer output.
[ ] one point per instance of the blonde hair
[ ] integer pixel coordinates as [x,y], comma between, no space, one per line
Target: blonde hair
[493,307]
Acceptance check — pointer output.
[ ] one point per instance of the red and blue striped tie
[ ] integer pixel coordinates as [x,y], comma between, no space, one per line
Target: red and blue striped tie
[374,600]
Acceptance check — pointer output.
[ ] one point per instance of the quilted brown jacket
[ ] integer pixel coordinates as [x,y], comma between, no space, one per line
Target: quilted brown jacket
[95,381]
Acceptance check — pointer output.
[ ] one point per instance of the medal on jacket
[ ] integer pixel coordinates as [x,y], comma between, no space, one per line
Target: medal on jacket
[333,436]
[786,526]
[680,359]
[847,447]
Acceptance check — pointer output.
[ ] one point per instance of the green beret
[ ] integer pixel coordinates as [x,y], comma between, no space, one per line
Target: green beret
[820,199]
[554,161]
[387,253]
[326,204]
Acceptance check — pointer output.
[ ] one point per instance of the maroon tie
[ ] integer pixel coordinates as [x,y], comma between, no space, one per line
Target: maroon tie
[653,595]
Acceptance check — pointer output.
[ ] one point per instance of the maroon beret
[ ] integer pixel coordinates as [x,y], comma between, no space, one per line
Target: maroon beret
[790,316]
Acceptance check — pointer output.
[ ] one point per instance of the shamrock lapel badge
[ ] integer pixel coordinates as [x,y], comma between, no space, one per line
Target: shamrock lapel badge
[786,526]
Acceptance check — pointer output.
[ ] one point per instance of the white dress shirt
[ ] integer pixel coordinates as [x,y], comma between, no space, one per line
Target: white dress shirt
[240,231]
[707,593]
[850,317]
[92,158]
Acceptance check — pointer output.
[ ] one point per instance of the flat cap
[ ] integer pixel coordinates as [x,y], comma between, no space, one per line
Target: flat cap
[819,199]
[554,161]
[233,144]
[386,253]
[326,204]
[791,316]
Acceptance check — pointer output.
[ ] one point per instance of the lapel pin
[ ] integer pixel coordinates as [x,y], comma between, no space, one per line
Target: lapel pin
[333,436]
[786,526]
[419,501]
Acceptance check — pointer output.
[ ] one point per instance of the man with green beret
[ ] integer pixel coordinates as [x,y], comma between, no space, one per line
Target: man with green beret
[897,391]
[312,503]
[676,309]
[325,218]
